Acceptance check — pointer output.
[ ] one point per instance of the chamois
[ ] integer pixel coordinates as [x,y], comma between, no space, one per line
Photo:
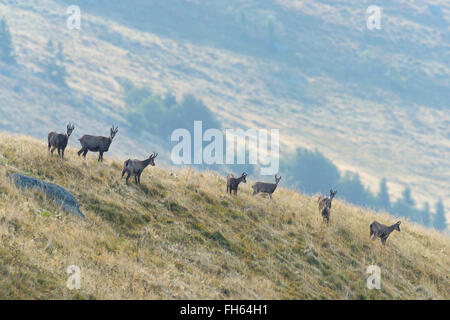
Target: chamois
[266,187]
[135,167]
[97,143]
[233,183]
[59,140]
[325,205]
[381,231]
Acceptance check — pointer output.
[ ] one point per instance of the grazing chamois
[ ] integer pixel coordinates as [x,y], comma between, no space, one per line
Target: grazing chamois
[233,183]
[96,143]
[59,140]
[266,187]
[325,205]
[135,167]
[381,231]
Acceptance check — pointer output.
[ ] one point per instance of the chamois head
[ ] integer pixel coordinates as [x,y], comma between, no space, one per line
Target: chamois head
[113,132]
[244,176]
[332,193]
[152,159]
[277,179]
[397,226]
[70,128]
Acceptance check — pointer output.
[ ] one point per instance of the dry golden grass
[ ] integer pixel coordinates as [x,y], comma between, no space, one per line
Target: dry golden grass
[180,236]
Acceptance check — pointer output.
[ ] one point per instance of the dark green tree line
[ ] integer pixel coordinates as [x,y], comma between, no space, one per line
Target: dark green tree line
[311,172]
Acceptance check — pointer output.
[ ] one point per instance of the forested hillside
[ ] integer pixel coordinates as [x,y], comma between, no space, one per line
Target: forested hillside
[373,104]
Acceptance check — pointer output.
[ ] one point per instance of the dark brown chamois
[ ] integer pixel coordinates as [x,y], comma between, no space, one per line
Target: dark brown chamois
[266,187]
[233,183]
[378,230]
[59,140]
[325,205]
[97,143]
[135,167]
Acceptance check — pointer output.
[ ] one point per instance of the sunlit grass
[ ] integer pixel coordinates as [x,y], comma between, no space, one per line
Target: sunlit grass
[181,236]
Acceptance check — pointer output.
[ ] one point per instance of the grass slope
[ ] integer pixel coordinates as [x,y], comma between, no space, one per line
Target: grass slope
[180,236]
[365,129]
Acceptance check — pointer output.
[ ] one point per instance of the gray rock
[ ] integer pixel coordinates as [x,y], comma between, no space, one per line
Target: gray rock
[61,196]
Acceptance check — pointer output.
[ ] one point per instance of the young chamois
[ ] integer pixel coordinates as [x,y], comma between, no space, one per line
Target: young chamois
[135,167]
[59,140]
[325,205]
[233,183]
[378,230]
[96,143]
[266,187]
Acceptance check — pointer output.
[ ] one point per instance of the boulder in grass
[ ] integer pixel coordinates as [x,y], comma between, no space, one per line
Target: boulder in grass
[61,196]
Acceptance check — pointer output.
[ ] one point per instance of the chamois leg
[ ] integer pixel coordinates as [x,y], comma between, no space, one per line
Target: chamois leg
[53,149]
[128,177]
[324,216]
[139,177]
[100,156]
[83,151]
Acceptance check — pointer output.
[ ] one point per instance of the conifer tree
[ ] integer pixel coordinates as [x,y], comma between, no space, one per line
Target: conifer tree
[6,45]
[53,65]
[439,221]
[384,201]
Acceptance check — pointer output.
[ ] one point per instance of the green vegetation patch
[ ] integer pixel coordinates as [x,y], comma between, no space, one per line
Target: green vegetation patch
[219,238]
[22,280]
[154,191]
[119,218]
[174,207]
[161,115]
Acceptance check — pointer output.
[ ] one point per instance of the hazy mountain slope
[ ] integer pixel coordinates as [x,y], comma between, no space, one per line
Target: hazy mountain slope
[180,236]
[374,128]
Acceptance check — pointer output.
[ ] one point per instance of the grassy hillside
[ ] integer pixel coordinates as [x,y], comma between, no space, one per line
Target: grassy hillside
[180,236]
[373,102]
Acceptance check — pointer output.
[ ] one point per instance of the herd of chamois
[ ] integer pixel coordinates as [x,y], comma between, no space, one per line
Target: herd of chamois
[136,167]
